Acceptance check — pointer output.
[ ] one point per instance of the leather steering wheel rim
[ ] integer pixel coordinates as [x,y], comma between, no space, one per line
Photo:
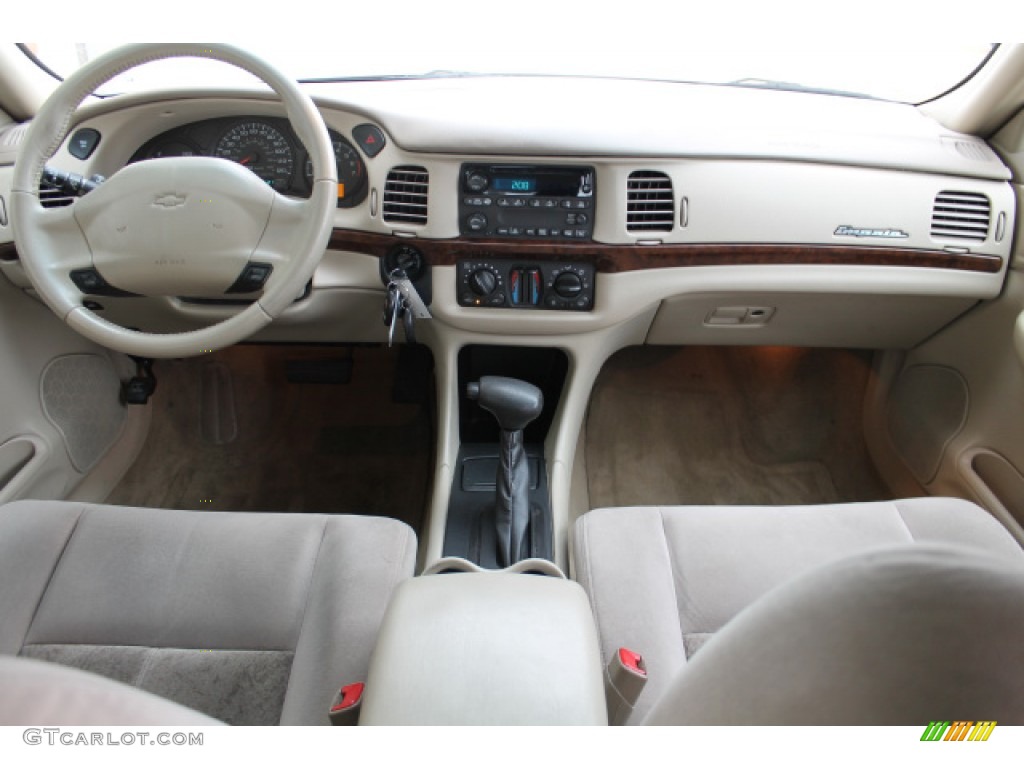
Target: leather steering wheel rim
[309,221]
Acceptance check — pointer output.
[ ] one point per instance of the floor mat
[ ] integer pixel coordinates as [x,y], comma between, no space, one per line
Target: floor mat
[290,429]
[729,425]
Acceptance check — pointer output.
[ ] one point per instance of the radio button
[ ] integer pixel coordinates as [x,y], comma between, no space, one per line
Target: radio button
[550,203]
[518,202]
[477,222]
[568,203]
[503,202]
[535,203]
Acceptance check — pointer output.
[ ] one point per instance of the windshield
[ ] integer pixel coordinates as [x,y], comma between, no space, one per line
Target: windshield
[897,73]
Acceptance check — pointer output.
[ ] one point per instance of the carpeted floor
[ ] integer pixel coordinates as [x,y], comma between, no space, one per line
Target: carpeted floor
[231,431]
[729,425]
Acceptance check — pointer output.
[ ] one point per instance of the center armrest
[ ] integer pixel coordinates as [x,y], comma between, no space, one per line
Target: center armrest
[486,649]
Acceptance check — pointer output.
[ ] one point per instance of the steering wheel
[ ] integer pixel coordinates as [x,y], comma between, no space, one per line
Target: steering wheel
[180,226]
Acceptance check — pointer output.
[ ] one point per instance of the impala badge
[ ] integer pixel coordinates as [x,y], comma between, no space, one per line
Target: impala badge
[891,234]
[170,200]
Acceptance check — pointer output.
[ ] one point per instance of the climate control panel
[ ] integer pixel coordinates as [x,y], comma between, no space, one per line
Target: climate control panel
[487,282]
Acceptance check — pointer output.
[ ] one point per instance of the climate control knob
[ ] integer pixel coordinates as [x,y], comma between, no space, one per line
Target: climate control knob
[568,285]
[483,282]
[477,222]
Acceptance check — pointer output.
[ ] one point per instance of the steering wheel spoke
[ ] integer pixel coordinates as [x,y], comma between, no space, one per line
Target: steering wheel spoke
[58,248]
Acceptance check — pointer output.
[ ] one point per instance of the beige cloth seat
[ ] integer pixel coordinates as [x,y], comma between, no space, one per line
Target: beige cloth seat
[664,580]
[249,618]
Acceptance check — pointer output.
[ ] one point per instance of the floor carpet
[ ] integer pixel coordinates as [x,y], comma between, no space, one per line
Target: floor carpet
[291,429]
[729,425]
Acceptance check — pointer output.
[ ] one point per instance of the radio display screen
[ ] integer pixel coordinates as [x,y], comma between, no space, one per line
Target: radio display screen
[520,184]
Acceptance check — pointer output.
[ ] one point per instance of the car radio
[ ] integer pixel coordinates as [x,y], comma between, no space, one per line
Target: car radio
[527,201]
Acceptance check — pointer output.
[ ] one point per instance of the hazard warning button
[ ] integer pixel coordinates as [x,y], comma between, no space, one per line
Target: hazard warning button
[370,138]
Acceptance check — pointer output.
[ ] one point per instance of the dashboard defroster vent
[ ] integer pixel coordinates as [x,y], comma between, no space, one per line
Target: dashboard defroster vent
[961,216]
[405,195]
[650,202]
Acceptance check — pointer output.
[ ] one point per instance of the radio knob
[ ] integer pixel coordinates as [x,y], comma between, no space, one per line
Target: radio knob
[477,222]
[477,182]
[483,282]
[568,285]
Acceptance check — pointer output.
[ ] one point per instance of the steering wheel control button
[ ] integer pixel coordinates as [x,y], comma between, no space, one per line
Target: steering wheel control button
[83,143]
[252,279]
[538,285]
[91,282]
[370,139]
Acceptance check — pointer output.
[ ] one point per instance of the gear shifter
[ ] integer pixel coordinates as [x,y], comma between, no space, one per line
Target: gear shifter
[514,404]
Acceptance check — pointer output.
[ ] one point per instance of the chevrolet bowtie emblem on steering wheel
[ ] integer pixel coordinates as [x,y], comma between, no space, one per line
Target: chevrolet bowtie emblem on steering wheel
[170,200]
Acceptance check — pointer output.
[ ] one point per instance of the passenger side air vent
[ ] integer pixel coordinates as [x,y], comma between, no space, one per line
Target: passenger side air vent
[650,203]
[405,195]
[961,216]
[53,196]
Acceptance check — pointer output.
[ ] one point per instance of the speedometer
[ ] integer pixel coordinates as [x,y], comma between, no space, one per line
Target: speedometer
[261,148]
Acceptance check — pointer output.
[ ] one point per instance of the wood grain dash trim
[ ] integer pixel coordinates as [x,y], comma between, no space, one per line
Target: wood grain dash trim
[629,258]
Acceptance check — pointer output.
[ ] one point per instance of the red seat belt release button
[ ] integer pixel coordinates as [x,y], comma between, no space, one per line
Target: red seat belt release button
[632,661]
[625,678]
[345,707]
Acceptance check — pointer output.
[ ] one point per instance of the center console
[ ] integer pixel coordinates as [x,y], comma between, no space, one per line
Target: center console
[502,203]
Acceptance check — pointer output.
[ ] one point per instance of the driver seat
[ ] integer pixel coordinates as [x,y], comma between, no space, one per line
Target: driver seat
[250,618]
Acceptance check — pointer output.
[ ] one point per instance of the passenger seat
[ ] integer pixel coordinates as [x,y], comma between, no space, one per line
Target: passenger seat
[663,581]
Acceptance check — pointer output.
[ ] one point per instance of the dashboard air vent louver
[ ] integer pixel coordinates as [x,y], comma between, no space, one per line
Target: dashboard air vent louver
[405,195]
[11,136]
[961,216]
[650,202]
[52,196]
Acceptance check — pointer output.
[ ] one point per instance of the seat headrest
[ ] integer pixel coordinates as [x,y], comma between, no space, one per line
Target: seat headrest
[896,636]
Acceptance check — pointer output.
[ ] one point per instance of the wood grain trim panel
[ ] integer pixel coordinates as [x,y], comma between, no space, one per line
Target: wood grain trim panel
[629,258]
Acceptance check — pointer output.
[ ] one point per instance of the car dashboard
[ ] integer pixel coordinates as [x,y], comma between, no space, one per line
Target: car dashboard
[695,189]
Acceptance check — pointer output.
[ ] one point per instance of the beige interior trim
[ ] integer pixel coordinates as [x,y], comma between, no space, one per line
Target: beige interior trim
[983,104]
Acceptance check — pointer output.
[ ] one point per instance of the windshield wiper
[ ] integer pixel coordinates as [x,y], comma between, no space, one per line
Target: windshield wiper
[782,85]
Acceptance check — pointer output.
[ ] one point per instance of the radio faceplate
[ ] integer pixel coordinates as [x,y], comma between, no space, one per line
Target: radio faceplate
[527,201]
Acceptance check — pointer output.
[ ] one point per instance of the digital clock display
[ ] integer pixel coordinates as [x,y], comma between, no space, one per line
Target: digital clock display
[515,184]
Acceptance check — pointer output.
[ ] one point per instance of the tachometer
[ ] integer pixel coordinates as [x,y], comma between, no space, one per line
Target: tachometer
[261,148]
[351,173]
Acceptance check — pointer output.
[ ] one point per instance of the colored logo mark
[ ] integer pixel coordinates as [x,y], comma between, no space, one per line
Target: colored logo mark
[960,730]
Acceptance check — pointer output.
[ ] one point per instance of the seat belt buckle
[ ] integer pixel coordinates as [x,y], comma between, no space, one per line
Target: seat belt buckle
[345,707]
[625,678]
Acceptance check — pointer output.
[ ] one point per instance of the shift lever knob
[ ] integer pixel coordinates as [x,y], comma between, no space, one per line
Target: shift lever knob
[514,403]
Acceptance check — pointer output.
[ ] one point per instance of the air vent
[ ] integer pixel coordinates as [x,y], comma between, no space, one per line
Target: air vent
[52,196]
[961,216]
[405,195]
[650,203]
[11,136]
